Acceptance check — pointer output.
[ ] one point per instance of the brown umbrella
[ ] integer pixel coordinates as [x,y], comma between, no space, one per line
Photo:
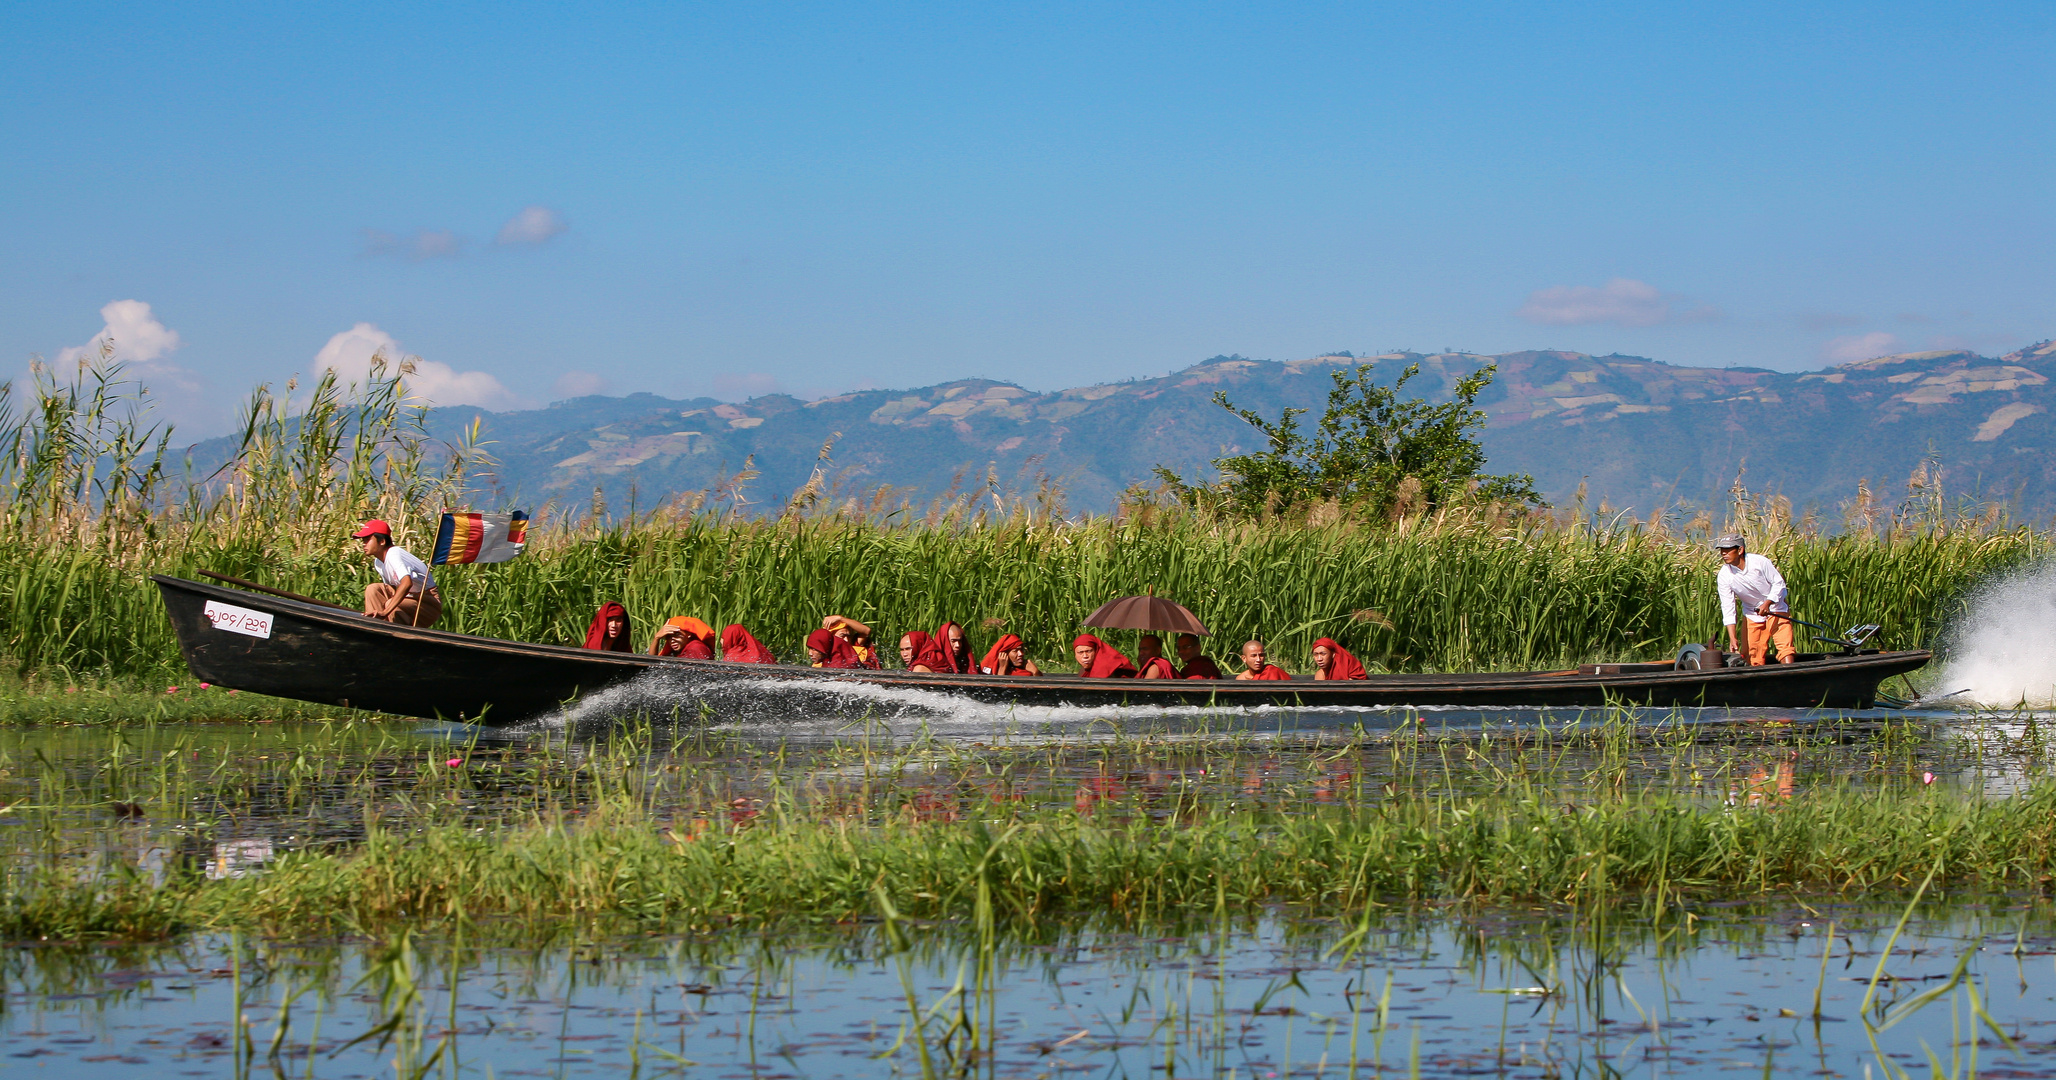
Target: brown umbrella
[1146,613]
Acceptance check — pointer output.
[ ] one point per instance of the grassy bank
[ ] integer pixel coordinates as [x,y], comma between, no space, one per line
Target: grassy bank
[133,700]
[1433,599]
[90,507]
[626,875]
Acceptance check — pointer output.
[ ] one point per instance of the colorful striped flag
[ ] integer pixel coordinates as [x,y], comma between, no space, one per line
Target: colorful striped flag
[479,538]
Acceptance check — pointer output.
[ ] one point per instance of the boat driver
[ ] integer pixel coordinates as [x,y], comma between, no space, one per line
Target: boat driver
[407,595]
[1749,579]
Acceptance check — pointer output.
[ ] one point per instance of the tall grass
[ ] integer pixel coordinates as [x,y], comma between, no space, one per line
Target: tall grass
[85,518]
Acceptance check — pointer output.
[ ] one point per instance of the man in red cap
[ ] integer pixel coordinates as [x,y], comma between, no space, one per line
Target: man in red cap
[408,594]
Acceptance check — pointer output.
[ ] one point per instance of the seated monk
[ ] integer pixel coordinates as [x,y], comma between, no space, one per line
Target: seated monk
[684,637]
[857,635]
[1149,653]
[1009,656]
[957,653]
[1257,667]
[739,646]
[826,650]
[609,629]
[1197,666]
[1099,660]
[918,652]
[1332,661]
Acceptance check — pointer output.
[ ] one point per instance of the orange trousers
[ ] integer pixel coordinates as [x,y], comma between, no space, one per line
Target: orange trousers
[1756,638]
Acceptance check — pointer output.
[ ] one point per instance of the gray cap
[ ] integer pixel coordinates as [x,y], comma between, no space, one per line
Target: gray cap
[1728,540]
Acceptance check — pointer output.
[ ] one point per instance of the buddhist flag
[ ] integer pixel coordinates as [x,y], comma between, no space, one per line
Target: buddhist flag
[480,538]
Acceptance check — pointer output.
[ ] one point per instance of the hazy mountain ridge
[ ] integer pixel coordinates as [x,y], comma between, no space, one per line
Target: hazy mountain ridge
[1639,432]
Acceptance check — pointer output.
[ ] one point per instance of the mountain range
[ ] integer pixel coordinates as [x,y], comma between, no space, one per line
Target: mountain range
[1632,431]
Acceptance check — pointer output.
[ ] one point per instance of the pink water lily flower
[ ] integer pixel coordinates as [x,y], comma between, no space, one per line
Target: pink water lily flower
[1927,778]
[206,686]
[454,762]
[171,690]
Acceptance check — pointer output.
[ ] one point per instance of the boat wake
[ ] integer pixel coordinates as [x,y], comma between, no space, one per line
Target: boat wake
[2002,652]
[760,705]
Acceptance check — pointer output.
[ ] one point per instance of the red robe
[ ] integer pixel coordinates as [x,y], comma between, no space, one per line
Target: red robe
[739,646]
[596,633]
[1274,673]
[1201,668]
[1107,661]
[1343,666]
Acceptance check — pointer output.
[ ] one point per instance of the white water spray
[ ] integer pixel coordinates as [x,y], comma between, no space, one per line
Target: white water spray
[2003,651]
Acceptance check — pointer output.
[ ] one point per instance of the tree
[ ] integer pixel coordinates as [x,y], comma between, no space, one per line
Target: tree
[1372,451]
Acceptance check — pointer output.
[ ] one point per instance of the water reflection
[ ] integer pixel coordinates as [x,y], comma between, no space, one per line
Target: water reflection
[1499,992]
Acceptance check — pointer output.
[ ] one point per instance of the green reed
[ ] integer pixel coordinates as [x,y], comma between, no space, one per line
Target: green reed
[90,507]
[1441,601]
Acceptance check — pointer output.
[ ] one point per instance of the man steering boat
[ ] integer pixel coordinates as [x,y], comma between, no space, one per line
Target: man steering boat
[1750,581]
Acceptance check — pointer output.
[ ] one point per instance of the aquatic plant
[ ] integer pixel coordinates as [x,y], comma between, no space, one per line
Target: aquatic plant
[87,516]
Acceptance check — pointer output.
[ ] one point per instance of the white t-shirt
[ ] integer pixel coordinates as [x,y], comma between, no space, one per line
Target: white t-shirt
[400,564]
[1754,583]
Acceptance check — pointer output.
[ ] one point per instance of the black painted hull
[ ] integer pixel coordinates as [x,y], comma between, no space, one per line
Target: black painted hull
[335,657]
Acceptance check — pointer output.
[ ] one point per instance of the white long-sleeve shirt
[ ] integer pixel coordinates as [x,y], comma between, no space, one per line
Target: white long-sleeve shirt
[1755,582]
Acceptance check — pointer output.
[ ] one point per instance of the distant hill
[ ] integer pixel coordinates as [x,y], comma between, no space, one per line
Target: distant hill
[1637,432]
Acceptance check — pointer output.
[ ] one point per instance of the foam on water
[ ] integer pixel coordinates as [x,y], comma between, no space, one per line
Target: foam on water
[759,704]
[2003,650]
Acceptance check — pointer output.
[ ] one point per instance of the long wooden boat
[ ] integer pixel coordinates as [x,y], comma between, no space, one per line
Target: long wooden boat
[311,652]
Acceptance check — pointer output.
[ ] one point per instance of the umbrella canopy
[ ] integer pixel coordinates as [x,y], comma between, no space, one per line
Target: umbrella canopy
[1146,613]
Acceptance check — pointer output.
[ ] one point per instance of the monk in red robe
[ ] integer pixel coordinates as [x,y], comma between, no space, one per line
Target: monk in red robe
[825,650]
[1149,655]
[957,654]
[609,629]
[1256,666]
[857,635]
[1332,661]
[1009,656]
[919,652]
[1197,666]
[684,637]
[739,646]
[1099,660]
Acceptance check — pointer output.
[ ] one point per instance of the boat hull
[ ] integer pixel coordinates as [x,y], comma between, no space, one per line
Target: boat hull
[335,657]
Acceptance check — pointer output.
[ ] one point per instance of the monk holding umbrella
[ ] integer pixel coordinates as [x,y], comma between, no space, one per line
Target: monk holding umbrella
[1147,612]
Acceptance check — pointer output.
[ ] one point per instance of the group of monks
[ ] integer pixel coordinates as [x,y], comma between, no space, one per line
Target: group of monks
[843,642]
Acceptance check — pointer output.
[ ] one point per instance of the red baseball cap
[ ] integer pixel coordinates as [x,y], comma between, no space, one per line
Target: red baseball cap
[374,527]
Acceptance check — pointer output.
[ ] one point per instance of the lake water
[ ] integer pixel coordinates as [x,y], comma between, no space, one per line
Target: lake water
[1436,991]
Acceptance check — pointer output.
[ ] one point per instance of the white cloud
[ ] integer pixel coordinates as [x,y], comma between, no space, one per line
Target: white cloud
[135,332]
[532,225]
[349,355]
[177,395]
[1622,300]
[422,246]
[1852,347]
[573,384]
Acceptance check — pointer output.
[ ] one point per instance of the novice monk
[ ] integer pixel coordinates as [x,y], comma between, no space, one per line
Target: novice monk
[955,646]
[825,650]
[1099,660]
[1149,653]
[739,646]
[609,629]
[918,652]
[408,593]
[684,637]
[857,635]
[1197,666]
[1332,661]
[1258,667]
[1009,656]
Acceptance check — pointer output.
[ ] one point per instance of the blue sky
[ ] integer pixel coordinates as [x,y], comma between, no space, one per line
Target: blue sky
[687,199]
